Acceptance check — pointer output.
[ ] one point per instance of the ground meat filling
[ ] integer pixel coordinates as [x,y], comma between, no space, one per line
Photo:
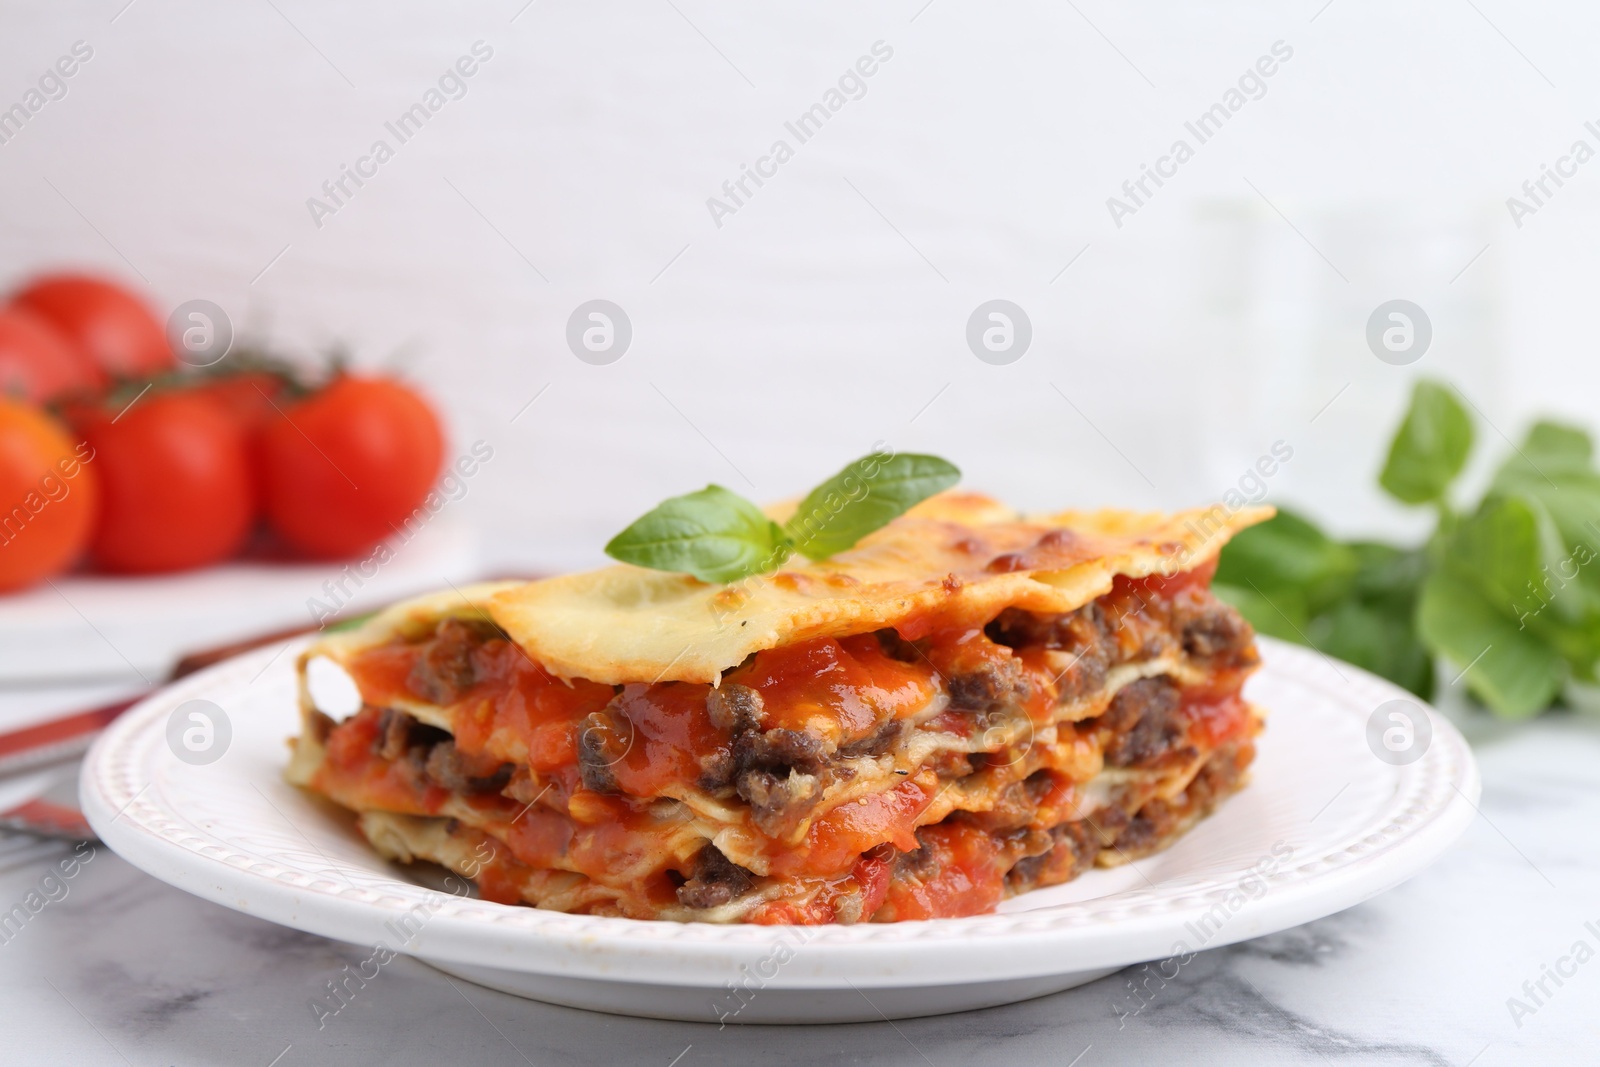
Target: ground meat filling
[444,671]
[782,774]
[1129,626]
[876,743]
[430,756]
[921,863]
[717,880]
[400,736]
[1081,630]
[1073,849]
[603,739]
[993,688]
[454,770]
[1145,723]
[1130,828]
[1085,635]
[1148,828]
[1215,632]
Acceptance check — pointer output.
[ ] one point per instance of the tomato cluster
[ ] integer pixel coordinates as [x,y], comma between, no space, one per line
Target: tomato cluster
[110,452]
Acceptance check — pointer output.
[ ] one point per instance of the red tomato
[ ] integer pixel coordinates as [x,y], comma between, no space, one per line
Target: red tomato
[176,480]
[109,324]
[48,493]
[252,397]
[37,363]
[344,468]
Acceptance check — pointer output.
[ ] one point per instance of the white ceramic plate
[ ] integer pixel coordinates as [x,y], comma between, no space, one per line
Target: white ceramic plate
[1324,824]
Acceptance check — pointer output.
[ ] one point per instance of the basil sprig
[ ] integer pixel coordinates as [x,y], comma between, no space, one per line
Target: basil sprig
[718,536]
[1507,591]
[715,535]
[1429,448]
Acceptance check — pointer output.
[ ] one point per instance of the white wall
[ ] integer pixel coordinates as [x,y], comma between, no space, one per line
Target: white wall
[805,327]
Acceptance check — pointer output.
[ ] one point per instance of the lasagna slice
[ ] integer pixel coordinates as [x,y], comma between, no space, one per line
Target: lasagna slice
[967,705]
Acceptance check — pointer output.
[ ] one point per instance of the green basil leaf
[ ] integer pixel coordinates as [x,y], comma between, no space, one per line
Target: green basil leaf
[1378,639]
[1560,442]
[1555,467]
[1288,556]
[1282,616]
[354,622]
[1512,553]
[1388,577]
[866,495]
[1508,668]
[1549,449]
[1430,448]
[1572,498]
[1572,501]
[714,534]
[1505,548]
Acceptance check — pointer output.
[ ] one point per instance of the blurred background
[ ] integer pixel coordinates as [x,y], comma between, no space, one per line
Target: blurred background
[531,228]
[1174,340]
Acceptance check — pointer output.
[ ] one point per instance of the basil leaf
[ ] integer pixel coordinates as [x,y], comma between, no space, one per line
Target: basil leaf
[1288,557]
[1429,449]
[354,622]
[1549,451]
[1554,467]
[1512,553]
[1571,497]
[866,495]
[1282,616]
[1377,639]
[1387,576]
[1353,601]
[714,534]
[1504,548]
[1509,669]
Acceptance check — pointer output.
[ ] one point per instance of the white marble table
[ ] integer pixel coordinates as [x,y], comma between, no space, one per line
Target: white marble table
[123,969]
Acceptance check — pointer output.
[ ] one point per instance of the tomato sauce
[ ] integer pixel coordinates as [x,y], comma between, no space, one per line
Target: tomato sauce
[667,731]
[841,687]
[970,878]
[519,712]
[351,769]
[835,840]
[1216,720]
[498,880]
[855,897]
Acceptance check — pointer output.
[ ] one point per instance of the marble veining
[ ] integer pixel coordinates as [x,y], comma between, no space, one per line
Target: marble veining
[1217,991]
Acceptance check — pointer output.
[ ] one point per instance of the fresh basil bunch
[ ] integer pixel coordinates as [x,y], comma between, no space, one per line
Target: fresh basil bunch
[718,536]
[1507,591]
